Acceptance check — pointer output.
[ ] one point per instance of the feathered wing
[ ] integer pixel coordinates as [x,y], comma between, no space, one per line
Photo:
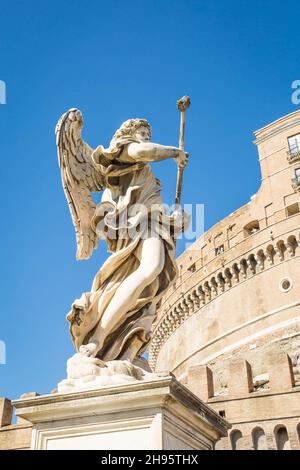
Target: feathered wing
[79,178]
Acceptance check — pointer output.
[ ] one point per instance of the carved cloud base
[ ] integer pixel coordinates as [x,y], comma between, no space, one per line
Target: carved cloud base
[89,373]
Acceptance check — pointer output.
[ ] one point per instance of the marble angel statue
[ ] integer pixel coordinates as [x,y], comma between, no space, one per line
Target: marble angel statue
[113,321]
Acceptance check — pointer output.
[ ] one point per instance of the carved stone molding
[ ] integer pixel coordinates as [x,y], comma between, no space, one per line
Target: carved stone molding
[215,284]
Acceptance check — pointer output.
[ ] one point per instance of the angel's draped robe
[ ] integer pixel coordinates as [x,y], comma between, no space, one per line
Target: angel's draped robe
[127,184]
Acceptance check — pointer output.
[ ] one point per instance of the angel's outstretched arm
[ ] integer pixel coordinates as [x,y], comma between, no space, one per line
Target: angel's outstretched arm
[150,152]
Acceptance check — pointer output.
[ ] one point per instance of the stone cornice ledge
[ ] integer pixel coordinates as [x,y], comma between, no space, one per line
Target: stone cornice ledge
[280,125]
[165,392]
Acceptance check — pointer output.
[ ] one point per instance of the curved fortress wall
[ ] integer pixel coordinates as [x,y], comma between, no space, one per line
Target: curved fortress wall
[230,328]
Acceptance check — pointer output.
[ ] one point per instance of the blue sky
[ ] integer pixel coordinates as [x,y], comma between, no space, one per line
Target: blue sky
[115,60]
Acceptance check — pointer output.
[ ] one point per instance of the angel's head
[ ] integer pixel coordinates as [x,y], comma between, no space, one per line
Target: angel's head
[139,129]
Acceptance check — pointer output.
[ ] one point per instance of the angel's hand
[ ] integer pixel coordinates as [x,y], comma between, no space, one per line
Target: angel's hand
[181,220]
[182,158]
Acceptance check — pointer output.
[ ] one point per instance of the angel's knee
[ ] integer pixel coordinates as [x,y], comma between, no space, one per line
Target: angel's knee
[150,270]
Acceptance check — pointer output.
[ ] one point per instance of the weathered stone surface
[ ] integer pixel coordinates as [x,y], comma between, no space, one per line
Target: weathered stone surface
[159,414]
[5,412]
[281,372]
[200,382]
[15,437]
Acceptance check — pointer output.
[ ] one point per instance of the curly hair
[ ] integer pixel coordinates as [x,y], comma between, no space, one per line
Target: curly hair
[129,128]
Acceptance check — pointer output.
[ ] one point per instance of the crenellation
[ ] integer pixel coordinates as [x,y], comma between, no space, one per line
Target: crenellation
[240,378]
[13,436]
[200,381]
[280,371]
[6,411]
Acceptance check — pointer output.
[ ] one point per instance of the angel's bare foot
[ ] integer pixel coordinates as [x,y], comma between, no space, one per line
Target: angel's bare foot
[89,350]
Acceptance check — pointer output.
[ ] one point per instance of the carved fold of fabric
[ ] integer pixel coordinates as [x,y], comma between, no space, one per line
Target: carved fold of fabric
[124,220]
[136,322]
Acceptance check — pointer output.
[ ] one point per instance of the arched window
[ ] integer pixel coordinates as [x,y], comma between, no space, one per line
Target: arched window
[282,438]
[236,439]
[251,228]
[259,439]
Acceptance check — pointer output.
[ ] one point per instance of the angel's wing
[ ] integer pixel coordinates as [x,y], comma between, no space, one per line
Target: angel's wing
[79,178]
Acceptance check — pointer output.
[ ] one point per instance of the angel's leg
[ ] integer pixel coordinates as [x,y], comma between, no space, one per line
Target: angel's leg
[152,260]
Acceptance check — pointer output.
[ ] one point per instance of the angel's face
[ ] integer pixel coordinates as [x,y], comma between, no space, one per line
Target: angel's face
[143,134]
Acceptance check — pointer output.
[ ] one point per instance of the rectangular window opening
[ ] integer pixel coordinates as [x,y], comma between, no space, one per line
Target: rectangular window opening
[293,209]
[219,250]
[294,144]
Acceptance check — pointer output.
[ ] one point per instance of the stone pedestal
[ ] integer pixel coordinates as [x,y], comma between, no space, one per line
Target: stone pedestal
[147,415]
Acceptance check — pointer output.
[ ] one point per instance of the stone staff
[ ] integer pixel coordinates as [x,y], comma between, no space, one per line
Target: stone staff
[182,105]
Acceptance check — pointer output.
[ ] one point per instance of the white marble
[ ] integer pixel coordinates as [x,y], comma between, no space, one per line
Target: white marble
[113,320]
[147,415]
[87,373]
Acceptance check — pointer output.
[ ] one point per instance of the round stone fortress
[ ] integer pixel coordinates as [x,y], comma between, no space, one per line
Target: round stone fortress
[230,327]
